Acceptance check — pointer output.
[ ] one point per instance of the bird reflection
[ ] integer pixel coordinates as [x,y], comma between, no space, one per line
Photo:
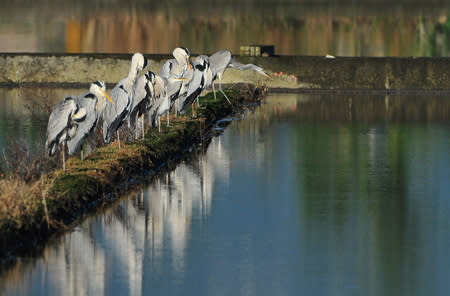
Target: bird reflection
[139,237]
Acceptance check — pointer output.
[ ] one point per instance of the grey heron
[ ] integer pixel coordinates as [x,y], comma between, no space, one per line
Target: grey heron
[179,68]
[201,79]
[64,121]
[162,90]
[94,102]
[161,99]
[122,94]
[143,93]
[223,59]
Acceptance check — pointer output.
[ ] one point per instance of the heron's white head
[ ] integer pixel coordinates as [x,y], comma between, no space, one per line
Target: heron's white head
[98,88]
[138,62]
[182,55]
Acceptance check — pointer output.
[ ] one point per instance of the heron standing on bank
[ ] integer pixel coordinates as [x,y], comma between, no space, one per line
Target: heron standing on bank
[201,79]
[179,68]
[68,121]
[162,89]
[143,94]
[122,94]
[94,102]
[223,59]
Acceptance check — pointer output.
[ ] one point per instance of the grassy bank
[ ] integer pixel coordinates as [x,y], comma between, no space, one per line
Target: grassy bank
[30,212]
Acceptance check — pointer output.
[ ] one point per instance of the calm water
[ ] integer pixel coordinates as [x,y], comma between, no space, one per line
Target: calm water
[307,195]
[295,27]
[24,115]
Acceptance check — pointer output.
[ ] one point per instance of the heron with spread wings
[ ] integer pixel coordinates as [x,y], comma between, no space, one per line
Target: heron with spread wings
[222,60]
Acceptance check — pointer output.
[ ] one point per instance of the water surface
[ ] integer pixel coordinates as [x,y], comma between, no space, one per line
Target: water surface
[308,194]
[24,115]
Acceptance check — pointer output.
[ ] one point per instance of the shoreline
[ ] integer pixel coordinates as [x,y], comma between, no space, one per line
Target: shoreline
[61,198]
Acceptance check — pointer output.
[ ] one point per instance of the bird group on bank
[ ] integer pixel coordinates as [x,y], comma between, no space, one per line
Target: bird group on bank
[179,83]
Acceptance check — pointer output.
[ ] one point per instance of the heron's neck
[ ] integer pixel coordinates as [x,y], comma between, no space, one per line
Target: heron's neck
[181,64]
[134,70]
[101,104]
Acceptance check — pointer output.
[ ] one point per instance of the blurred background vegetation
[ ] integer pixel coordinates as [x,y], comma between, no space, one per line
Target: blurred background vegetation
[295,27]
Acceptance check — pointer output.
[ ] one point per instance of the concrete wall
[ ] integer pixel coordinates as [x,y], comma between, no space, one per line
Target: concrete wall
[299,72]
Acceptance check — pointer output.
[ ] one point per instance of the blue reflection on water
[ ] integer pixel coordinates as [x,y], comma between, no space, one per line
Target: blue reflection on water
[279,204]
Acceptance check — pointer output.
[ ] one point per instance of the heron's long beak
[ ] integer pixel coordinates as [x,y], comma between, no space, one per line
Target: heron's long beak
[267,75]
[180,79]
[106,96]
[189,63]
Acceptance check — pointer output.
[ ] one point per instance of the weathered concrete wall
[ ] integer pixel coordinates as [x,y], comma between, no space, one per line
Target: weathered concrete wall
[66,69]
[299,72]
[361,72]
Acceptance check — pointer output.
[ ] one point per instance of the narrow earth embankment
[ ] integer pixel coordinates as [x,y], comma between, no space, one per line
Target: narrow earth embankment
[29,213]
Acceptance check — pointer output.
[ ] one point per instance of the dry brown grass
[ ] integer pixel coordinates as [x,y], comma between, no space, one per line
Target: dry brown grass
[21,164]
[18,200]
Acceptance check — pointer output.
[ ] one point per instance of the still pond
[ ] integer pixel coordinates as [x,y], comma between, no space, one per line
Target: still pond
[308,194]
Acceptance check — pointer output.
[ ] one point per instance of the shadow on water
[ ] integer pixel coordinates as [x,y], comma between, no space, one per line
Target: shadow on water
[320,193]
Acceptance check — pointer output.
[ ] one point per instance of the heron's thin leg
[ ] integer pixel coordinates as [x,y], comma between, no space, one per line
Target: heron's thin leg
[64,155]
[143,126]
[118,138]
[193,109]
[214,91]
[81,154]
[159,124]
[168,118]
[220,88]
[136,129]
[176,109]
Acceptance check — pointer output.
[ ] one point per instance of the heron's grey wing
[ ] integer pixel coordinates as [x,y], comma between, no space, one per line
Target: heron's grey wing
[166,69]
[140,97]
[58,123]
[219,62]
[194,88]
[164,105]
[115,114]
[151,96]
[160,87]
[161,102]
[173,88]
[239,66]
[87,126]
[207,73]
